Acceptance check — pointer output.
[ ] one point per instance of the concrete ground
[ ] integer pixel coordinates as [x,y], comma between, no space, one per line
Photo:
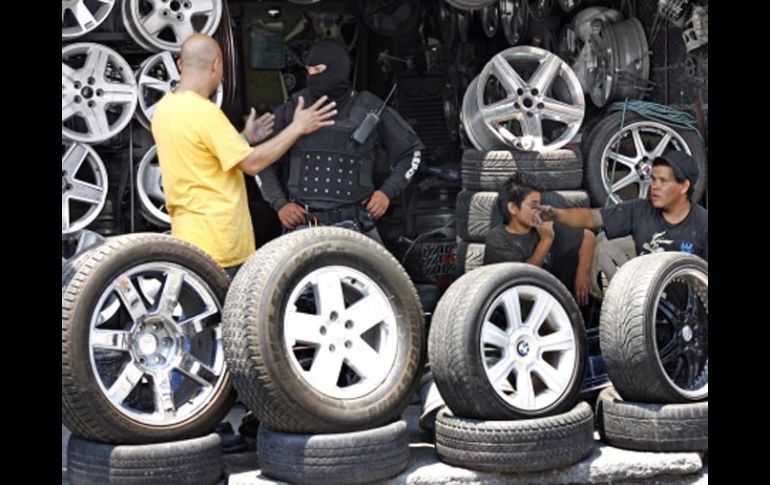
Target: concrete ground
[605,465]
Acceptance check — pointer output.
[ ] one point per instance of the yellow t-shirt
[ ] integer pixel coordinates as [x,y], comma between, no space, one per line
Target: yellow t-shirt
[198,150]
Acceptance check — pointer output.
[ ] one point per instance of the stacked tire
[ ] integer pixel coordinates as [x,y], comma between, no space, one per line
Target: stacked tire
[143,375]
[511,336]
[324,339]
[559,173]
[654,338]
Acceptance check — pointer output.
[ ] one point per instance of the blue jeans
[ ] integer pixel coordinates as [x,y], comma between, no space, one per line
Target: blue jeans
[231,270]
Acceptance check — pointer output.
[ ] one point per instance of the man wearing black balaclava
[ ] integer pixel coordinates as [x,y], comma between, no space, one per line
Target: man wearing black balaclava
[328,175]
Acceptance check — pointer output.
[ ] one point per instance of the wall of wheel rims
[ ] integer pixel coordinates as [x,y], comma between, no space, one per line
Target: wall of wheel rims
[110,178]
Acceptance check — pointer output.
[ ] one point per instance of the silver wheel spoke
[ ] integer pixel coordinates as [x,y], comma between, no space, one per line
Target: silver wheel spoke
[96,63]
[549,375]
[110,339]
[532,132]
[69,109]
[302,327]
[326,368]
[365,361]
[125,383]
[97,122]
[68,74]
[169,298]
[83,15]
[559,111]
[638,143]
[507,76]
[492,334]
[164,396]
[154,22]
[500,371]
[500,111]
[631,178]
[622,159]
[546,73]
[86,192]
[661,147]
[366,313]
[74,158]
[542,307]
[512,310]
[131,299]
[329,292]
[199,323]
[525,392]
[183,30]
[119,93]
[150,82]
[202,6]
[197,370]
[556,342]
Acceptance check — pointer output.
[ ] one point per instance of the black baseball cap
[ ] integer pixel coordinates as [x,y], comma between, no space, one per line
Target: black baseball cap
[683,165]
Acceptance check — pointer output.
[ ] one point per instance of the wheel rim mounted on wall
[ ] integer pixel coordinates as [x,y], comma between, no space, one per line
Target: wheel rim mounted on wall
[98,93]
[78,17]
[162,25]
[84,186]
[619,161]
[149,187]
[157,76]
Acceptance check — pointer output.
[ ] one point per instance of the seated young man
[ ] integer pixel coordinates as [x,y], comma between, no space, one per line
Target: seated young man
[565,252]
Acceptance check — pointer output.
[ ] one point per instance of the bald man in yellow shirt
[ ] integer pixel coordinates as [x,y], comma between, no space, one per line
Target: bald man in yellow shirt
[202,156]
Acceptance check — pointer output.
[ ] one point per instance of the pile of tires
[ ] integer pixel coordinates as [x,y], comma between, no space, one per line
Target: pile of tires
[654,337]
[511,336]
[144,380]
[324,339]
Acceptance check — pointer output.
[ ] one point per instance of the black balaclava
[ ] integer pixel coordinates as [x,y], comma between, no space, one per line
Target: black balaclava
[333,82]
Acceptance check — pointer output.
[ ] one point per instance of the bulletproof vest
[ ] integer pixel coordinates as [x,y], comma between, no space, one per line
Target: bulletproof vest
[327,168]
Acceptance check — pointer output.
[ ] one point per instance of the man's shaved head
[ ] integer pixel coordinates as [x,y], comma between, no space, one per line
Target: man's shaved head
[199,51]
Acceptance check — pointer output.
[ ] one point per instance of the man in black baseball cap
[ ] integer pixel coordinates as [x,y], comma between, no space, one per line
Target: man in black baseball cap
[683,165]
[668,221]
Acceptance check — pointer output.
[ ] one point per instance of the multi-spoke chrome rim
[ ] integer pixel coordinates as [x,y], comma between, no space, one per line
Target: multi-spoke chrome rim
[98,93]
[157,76]
[165,24]
[681,331]
[79,17]
[83,186]
[149,186]
[340,332]
[626,163]
[501,109]
[529,361]
[155,344]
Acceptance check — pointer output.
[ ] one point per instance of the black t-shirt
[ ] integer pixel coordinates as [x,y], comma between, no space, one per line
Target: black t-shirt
[652,233]
[561,260]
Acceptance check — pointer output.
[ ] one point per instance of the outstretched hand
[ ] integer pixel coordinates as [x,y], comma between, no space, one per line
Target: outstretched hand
[258,129]
[314,117]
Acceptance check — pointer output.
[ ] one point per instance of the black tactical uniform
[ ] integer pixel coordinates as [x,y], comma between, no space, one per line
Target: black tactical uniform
[327,172]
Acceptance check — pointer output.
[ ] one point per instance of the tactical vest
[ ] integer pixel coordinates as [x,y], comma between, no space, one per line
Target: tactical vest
[327,168]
